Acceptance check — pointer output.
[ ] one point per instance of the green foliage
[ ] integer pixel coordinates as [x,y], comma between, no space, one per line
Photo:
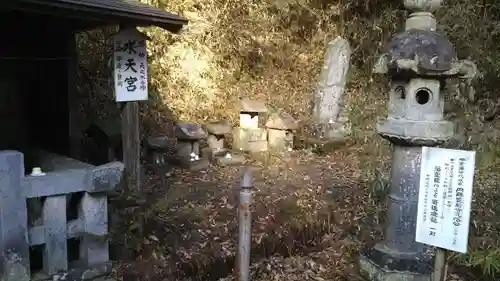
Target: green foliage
[487,261]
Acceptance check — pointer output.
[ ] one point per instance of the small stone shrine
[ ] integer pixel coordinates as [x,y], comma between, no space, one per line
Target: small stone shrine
[189,136]
[251,136]
[106,141]
[216,140]
[280,132]
[216,136]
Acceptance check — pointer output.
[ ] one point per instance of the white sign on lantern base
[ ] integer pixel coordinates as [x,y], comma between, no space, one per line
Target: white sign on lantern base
[130,65]
[444,199]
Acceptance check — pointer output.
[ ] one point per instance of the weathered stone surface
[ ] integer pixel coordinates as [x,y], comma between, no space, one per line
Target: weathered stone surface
[186,147]
[433,50]
[196,165]
[282,121]
[218,128]
[248,105]
[159,142]
[189,131]
[15,261]
[377,265]
[280,140]
[329,95]
[251,140]
[233,159]
[215,143]
[55,255]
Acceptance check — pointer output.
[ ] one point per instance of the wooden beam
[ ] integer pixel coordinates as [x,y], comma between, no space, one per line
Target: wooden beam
[131,145]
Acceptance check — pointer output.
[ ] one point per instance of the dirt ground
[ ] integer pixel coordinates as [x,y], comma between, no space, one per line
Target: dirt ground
[311,215]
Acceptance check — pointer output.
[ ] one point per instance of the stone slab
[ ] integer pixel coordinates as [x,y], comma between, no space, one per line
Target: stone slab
[218,128]
[196,165]
[248,105]
[235,159]
[322,146]
[189,131]
[282,121]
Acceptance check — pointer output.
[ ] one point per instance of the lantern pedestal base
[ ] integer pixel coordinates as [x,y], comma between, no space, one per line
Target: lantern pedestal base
[392,265]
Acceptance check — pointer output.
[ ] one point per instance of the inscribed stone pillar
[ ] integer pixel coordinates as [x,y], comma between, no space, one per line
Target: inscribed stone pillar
[328,102]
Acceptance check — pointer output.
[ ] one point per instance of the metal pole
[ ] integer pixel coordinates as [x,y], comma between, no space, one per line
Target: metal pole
[244,228]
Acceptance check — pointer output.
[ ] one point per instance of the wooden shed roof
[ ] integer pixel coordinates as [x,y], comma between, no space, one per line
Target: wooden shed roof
[105,11]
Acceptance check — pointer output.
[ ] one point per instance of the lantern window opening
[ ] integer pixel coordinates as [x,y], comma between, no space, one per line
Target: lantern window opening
[423,96]
[400,92]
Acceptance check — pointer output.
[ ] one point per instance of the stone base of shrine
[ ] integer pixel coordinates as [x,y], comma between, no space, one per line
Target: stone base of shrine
[378,265]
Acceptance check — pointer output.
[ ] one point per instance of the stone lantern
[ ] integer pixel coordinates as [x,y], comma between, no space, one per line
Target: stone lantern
[418,61]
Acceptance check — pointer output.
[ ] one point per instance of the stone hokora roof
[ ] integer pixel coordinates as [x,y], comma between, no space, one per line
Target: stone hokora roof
[189,131]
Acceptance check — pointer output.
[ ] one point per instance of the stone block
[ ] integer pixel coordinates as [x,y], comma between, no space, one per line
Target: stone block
[187,148]
[252,113]
[216,143]
[251,140]
[249,120]
[280,140]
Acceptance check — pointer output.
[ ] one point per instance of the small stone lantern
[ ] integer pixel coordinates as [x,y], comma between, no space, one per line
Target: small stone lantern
[251,136]
[189,136]
[418,61]
[280,132]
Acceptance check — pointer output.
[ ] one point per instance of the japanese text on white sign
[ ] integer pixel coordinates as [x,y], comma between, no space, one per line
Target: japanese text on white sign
[130,66]
[444,199]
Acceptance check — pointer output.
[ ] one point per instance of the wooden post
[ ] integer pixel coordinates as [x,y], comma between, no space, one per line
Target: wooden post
[74,134]
[440,265]
[131,144]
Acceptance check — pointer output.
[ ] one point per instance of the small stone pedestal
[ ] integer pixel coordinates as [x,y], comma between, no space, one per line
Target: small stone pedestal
[188,146]
[280,132]
[251,136]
